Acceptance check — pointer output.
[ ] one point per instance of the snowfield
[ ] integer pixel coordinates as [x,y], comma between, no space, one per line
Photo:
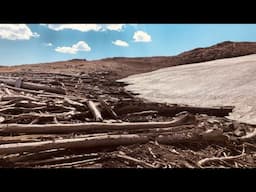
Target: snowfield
[223,82]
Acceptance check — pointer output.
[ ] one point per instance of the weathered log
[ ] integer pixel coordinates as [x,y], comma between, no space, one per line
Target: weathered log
[211,111]
[178,139]
[74,164]
[48,95]
[92,142]
[58,160]
[20,89]
[73,103]
[16,110]
[39,155]
[197,136]
[158,131]
[150,112]
[24,138]
[60,74]
[29,104]
[33,86]
[172,110]
[17,98]
[93,127]
[39,116]
[94,110]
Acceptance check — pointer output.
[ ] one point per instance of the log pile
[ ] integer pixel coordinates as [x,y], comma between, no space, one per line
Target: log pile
[46,122]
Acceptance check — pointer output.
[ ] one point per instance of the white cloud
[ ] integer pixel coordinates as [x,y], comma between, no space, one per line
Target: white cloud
[115,27]
[141,36]
[78,27]
[69,50]
[85,27]
[16,32]
[79,46]
[48,44]
[120,43]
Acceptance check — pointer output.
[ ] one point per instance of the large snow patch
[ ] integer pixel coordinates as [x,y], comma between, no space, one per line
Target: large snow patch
[222,82]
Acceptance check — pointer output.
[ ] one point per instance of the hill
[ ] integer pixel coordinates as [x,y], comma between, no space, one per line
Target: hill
[124,67]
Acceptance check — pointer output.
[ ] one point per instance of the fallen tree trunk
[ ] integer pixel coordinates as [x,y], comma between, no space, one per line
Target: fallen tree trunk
[172,110]
[58,160]
[39,155]
[75,163]
[16,110]
[191,138]
[33,115]
[92,142]
[94,110]
[177,139]
[211,111]
[93,127]
[20,89]
[16,139]
[34,86]
[17,98]
[73,103]
[30,104]
[141,113]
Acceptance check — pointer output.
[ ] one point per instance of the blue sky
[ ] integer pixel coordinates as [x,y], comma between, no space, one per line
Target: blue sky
[38,43]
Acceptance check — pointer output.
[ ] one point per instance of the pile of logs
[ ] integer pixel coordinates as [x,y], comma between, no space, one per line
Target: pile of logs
[41,125]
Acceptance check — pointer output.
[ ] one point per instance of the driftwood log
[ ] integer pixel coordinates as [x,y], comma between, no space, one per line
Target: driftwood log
[33,86]
[17,98]
[95,111]
[20,89]
[92,142]
[172,110]
[94,127]
[58,160]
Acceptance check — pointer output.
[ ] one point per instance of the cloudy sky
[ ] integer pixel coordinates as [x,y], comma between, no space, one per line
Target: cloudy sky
[35,43]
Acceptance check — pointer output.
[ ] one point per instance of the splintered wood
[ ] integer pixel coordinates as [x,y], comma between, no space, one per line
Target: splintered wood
[56,120]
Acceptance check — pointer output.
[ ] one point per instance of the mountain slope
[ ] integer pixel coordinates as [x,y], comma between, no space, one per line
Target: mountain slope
[128,66]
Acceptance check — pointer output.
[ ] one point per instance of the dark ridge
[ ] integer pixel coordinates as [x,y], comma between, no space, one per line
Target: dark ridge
[75,60]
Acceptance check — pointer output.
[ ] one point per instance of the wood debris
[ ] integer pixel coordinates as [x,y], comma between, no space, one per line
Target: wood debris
[57,120]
